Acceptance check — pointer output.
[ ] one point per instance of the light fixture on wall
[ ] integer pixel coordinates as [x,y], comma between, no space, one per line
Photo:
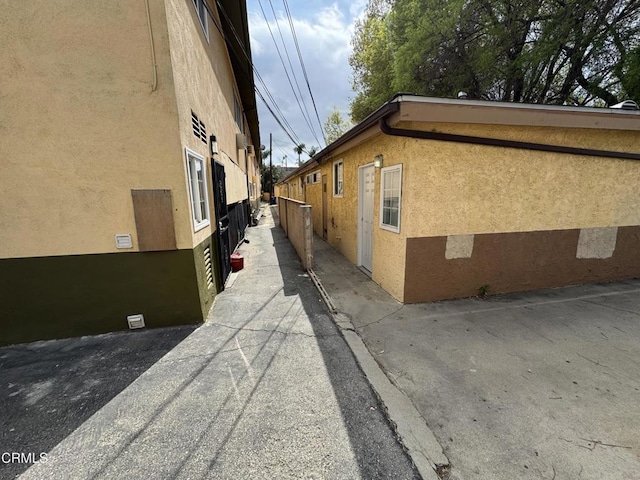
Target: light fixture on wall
[377,161]
[213,145]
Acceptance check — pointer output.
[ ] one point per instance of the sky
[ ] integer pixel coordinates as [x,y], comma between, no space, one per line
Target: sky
[323,29]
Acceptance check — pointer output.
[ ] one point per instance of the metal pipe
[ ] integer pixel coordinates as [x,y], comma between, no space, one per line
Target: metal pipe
[153,50]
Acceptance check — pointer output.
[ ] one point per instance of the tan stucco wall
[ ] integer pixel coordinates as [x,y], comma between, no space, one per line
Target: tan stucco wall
[342,217]
[313,194]
[455,188]
[80,126]
[204,84]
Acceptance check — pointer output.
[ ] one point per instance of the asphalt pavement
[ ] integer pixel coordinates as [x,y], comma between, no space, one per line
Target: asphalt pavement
[266,388]
[50,388]
[535,385]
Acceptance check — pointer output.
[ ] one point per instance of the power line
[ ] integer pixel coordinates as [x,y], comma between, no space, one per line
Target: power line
[288,130]
[295,95]
[304,70]
[293,73]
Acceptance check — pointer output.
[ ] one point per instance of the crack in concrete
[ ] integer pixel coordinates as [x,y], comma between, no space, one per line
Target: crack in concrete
[271,331]
[612,308]
[380,319]
[209,355]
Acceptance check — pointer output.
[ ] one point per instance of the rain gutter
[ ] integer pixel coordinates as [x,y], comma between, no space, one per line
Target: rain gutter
[496,142]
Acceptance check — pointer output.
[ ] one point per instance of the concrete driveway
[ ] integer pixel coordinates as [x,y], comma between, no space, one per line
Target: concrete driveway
[539,385]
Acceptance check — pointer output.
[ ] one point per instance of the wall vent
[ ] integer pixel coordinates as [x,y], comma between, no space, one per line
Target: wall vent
[135,321]
[207,267]
[199,129]
[251,150]
[241,141]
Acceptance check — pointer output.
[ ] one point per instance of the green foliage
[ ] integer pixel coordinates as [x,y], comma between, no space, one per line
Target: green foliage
[265,176]
[299,149]
[335,126]
[536,51]
[371,60]
[483,291]
[630,74]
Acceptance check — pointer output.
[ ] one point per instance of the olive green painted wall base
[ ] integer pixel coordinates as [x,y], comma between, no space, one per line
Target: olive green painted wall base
[206,293]
[57,297]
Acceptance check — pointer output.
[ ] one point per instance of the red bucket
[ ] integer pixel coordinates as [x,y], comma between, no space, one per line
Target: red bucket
[237,261]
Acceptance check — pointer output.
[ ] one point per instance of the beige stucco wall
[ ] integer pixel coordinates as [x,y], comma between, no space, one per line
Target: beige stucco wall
[204,84]
[342,217]
[80,126]
[455,188]
[313,193]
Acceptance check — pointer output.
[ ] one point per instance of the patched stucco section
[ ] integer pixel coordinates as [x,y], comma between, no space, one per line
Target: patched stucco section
[459,246]
[597,242]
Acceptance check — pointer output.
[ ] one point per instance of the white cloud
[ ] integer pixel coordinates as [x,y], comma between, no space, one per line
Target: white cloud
[324,37]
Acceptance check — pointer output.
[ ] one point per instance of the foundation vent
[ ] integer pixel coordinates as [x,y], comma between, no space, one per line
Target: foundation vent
[199,130]
[135,321]
[207,267]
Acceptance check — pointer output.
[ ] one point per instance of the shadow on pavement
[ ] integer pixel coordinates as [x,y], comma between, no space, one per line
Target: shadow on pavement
[373,441]
[50,388]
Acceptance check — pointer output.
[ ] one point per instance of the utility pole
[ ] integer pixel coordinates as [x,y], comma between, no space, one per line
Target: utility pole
[271,166]
[285,161]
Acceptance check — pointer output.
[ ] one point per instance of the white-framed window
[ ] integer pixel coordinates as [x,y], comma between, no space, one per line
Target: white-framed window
[201,10]
[237,113]
[313,178]
[198,190]
[338,178]
[391,198]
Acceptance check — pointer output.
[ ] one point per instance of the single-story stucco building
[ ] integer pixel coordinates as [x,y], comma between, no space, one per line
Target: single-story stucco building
[438,198]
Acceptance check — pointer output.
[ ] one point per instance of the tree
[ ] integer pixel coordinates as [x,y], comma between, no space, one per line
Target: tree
[371,60]
[265,175]
[299,149]
[579,52]
[312,151]
[335,126]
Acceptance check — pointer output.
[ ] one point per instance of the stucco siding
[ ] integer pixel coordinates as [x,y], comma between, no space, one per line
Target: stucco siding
[455,188]
[313,197]
[204,85]
[342,217]
[512,262]
[80,125]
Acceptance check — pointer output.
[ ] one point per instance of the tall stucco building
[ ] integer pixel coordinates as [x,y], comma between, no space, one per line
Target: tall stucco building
[128,140]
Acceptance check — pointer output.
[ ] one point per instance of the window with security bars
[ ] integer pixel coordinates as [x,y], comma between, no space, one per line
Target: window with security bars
[198,190]
[391,198]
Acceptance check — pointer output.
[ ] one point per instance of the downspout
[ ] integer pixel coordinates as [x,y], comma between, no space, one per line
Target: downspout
[496,142]
[154,86]
[249,206]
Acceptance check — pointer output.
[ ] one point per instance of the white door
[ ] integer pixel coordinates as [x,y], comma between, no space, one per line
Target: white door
[365,208]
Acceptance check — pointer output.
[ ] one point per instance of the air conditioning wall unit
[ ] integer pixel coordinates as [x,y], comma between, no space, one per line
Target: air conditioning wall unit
[241,141]
[251,150]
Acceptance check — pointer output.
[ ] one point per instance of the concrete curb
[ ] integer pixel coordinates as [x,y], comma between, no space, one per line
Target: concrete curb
[418,440]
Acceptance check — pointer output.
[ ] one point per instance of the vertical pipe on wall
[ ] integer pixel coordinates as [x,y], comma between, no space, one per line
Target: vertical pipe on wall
[154,86]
